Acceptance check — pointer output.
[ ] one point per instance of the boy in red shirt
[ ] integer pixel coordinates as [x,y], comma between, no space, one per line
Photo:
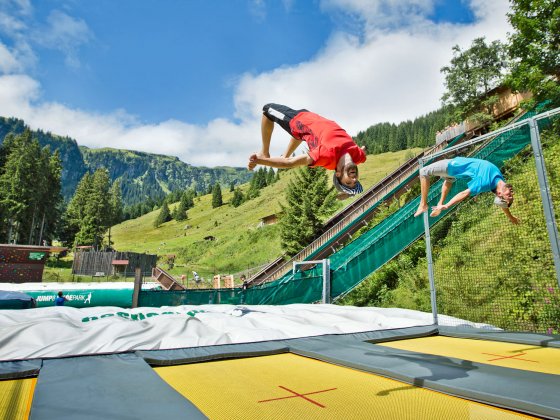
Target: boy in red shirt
[329,146]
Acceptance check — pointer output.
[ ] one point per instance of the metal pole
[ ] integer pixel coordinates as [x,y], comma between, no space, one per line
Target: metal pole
[545,196]
[137,287]
[326,295]
[326,281]
[429,258]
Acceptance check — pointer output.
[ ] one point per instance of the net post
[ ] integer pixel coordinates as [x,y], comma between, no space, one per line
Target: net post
[326,281]
[544,188]
[137,287]
[429,258]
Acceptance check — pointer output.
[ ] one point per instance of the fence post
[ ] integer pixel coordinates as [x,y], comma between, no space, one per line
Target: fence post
[545,196]
[429,258]
[137,286]
[326,281]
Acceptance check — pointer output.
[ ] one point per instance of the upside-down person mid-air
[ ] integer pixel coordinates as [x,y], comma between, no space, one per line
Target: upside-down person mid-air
[482,176]
[329,146]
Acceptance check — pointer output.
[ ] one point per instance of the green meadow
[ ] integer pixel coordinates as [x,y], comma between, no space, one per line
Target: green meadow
[234,244]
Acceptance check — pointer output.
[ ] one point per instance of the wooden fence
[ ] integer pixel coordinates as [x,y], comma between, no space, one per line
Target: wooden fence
[100,264]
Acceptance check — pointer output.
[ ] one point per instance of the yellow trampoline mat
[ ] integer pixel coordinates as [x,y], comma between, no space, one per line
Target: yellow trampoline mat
[287,386]
[510,355]
[16,397]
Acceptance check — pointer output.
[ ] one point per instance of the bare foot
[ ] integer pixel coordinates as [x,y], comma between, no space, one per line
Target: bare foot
[421,209]
[436,210]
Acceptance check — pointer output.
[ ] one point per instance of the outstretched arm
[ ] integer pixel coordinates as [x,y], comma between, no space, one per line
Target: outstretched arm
[511,217]
[456,199]
[281,161]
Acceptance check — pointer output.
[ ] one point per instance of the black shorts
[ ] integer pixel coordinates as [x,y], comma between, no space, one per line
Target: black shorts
[281,115]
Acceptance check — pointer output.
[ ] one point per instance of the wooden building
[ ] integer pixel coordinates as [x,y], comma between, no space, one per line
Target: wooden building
[102,264]
[271,219]
[24,263]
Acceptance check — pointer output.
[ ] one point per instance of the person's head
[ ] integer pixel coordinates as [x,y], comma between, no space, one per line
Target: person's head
[345,179]
[504,196]
[59,294]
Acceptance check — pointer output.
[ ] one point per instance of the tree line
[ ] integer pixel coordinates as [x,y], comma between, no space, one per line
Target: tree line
[32,210]
[389,137]
[30,193]
[261,179]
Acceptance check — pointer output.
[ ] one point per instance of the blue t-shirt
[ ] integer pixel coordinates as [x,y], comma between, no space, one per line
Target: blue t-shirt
[59,301]
[483,176]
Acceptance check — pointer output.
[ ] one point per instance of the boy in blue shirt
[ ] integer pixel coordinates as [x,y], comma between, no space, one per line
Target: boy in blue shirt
[482,176]
[59,301]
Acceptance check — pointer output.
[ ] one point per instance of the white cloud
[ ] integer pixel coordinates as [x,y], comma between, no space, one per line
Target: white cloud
[64,33]
[382,75]
[8,62]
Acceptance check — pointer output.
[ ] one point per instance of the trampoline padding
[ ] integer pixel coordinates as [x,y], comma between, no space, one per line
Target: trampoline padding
[498,353]
[106,387]
[529,392]
[19,369]
[533,339]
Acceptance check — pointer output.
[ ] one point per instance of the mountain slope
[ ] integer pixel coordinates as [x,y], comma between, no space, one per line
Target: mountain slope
[142,175]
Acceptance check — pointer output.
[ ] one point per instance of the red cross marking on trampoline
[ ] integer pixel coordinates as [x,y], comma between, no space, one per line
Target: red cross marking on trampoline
[515,356]
[297,394]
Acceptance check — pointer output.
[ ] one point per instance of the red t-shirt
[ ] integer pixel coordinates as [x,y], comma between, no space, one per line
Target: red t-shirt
[326,140]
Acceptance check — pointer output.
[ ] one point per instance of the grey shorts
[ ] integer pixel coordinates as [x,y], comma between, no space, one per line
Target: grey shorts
[438,168]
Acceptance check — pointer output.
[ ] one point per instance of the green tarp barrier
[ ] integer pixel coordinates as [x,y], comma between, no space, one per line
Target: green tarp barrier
[83,298]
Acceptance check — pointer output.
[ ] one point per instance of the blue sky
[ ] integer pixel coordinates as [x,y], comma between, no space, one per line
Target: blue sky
[188,78]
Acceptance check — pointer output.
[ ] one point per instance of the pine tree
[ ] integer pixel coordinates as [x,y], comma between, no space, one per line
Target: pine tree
[180,212]
[217,196]
[51,197]
[115,204]
[99,205]
[270,176]
[76,210]
[20,187]
[89,212]
[309,201]
[163,216]
[188,198]
[261,179]
[238,198]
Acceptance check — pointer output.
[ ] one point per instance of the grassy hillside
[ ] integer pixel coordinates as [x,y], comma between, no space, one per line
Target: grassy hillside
[240,245]
[486,269]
